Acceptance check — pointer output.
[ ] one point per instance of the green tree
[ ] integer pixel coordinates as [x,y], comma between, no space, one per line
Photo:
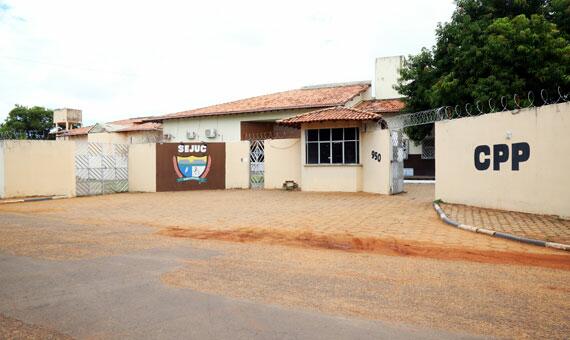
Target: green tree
[28,121]
[490,48]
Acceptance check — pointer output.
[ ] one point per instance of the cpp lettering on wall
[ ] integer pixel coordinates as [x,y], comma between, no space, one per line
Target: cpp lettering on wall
[497,154]
[190,166]
[509,160]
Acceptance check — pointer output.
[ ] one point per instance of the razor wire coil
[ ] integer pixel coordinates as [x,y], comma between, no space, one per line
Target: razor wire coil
[505,103]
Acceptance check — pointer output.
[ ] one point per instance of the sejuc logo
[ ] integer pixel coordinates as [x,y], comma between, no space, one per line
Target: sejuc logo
[192,167]
[192,148]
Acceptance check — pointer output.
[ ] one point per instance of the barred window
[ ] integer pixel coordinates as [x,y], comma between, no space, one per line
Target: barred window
[332,146]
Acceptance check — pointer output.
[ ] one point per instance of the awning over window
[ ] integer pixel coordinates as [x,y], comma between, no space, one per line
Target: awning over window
[339,113]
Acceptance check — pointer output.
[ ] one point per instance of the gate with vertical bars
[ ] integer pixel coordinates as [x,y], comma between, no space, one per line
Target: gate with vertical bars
[101,168]
[397,162]
[256,164]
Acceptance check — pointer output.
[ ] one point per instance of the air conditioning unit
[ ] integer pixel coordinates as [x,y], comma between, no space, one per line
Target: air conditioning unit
[167,136]
[211,133]
[191,134]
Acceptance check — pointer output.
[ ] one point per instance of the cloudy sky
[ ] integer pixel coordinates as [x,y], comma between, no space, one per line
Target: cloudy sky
[116,59]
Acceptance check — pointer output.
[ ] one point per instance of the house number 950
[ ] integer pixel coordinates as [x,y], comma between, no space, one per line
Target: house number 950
[376,156]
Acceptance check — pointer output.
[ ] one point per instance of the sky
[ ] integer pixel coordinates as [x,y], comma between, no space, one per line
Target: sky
[118,59]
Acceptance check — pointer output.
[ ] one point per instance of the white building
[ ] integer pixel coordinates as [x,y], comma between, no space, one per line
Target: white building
[256,117]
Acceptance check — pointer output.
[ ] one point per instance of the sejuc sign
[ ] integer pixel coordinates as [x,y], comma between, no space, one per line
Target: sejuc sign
[518,153]
[190,166]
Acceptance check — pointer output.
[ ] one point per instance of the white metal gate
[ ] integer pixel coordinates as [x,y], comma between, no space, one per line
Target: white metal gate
[256,164]
[101,168]
[397,162]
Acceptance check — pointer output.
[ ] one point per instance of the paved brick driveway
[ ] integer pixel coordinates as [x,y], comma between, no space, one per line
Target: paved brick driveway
[404,217]
[541,227]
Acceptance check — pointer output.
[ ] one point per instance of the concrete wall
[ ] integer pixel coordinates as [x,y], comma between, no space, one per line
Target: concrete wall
[138,137]
[386,76]
[237,165]
[75,138]
[132,137]
[228,126]
[375,173]
[282,162]
[142,167]
[38,168]
[541,185]
[106,137]
[343,178]
[2,167]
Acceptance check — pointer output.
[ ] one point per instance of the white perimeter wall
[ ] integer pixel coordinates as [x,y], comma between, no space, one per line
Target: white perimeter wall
[237,165]
[107,137]
[37,168]
[282,162]
[2,166]
[541,185]
[375,174]
[142,167]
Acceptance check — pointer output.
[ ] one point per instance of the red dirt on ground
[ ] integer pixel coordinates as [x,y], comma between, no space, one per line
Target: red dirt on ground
[393,247]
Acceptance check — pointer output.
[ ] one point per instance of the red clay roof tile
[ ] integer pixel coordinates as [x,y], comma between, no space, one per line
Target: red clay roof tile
[76,132]
[308,97]
[140,127]
[123,125]
[331,114]
[382,105]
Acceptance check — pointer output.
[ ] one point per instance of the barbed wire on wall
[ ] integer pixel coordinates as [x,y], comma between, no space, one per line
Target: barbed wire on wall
[44,135]
[25,135]
[513,103]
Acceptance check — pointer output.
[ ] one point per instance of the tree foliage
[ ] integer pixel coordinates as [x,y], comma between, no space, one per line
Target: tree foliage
[490,48]
[23,120]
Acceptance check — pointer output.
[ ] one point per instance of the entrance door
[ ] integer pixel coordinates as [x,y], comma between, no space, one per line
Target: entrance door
[256,164]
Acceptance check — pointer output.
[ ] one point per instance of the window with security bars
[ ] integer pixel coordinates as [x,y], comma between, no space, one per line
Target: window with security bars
[332,146]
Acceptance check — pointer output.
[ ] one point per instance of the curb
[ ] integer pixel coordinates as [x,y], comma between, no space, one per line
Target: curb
[32,199]
[507,236]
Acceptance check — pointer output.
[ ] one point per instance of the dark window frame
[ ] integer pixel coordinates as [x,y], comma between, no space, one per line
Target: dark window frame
[330,141]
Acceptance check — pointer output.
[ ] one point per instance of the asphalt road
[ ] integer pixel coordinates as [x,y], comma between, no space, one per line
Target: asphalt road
[122,297]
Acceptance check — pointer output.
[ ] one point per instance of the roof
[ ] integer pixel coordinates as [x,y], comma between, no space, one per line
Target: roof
[76,132]
[124,125]
[148,126]
[382,105]
[331,114]
[308,97]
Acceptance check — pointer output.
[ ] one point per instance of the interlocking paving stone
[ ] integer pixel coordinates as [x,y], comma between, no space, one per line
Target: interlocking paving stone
[408,216]
[540,227]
